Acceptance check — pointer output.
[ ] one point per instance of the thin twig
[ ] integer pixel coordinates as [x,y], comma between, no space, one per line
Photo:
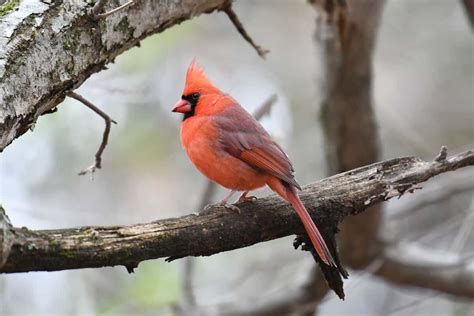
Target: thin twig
[188,300]
[262,52]
[265,108]
[443,153]
[447,189]
[123,6]
[98,156]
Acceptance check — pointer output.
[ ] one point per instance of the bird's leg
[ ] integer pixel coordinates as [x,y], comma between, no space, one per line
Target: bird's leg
[225,203]
[244,197]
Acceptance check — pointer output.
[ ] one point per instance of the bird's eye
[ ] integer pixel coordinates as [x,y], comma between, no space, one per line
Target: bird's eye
[195,96]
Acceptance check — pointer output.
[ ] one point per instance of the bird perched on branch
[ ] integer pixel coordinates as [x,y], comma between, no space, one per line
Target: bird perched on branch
[231,148]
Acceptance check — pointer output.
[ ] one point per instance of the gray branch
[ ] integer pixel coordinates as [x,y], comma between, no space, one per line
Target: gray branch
[218,229]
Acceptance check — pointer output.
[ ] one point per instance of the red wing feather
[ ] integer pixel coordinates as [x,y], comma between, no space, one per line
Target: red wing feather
[246,139]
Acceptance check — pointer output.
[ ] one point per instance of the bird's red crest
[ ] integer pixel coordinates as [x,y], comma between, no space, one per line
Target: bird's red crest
[197,81]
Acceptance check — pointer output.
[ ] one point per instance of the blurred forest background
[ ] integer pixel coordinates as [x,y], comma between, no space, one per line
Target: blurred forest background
[423,97]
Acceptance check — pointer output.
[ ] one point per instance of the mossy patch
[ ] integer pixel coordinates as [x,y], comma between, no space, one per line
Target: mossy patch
[8,6]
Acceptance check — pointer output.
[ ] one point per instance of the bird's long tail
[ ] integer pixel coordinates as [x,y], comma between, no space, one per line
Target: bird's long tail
[317,240]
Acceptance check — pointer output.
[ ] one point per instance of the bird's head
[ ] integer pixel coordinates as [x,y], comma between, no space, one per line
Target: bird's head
[196,88]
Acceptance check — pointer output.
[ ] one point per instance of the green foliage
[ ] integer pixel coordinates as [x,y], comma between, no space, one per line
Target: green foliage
[153,285]
[8,6]
[157,285]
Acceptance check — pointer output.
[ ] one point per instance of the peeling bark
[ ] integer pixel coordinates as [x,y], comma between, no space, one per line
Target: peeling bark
[47,50]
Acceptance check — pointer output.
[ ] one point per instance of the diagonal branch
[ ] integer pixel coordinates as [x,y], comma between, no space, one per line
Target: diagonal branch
[105,137]
[70,44]
[219,230]
[262,52]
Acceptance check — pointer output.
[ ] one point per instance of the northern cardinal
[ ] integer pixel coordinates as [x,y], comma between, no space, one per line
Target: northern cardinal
[231,148]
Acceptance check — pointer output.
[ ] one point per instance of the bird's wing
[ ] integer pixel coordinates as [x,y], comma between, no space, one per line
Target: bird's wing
[244,138]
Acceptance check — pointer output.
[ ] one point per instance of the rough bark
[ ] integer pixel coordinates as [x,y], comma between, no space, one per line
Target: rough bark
[346,32]
[219,229]
[351,135]
[46,50]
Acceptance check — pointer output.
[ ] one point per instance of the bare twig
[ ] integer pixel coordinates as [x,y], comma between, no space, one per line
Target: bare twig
[188,302]
[100,5]
[443,153]
[409,264]
[262,52]
[265,108]
[98,156]
[447,188]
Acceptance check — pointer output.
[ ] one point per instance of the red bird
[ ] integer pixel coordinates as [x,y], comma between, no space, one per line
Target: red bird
[231,148]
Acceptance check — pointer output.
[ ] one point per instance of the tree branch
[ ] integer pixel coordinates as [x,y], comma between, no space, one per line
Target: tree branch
[329,201]
[48,50]
[105,137]
[414,266]
[262,52]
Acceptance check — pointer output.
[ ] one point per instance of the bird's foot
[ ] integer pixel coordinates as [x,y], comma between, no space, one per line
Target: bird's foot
[247,198]
[229,206]
[224,204]
[244,197]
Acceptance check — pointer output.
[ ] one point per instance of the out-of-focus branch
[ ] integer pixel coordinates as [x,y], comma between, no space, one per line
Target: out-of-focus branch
[469,9]
[446,189]
[218,230]
[410,265]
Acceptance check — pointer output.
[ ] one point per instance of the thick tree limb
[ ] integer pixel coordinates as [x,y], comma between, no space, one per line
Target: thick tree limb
[47,50]
[329,201]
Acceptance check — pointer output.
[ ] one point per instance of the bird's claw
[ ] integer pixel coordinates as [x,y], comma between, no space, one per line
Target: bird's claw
[247,198]
[229,207]
[221,204]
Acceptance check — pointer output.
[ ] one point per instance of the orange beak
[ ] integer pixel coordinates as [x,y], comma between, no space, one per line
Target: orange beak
[182,106]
